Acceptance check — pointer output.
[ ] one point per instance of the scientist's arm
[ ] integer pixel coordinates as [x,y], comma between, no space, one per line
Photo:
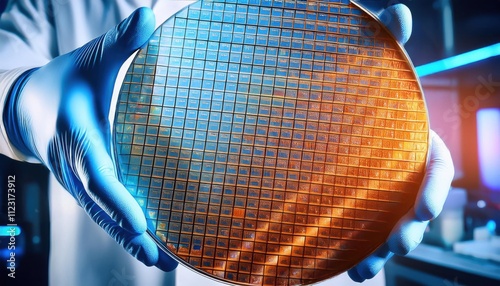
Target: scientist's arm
[58,114]
[409,231]
[27,40]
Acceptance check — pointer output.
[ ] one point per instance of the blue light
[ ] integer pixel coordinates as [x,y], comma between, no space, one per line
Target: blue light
[491,226]
[458,60]
[9,230]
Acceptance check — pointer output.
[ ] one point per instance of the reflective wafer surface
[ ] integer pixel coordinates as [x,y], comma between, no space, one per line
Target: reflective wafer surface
[271,142]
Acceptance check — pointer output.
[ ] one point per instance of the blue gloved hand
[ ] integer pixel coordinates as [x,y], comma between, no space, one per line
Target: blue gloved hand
[409,231]
[59,114]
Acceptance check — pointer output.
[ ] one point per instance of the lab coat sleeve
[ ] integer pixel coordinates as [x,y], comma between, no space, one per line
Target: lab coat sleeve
[27,40]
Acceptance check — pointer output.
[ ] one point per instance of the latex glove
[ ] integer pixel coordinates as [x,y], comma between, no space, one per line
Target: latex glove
[409,231]
[59,114]
[396,17]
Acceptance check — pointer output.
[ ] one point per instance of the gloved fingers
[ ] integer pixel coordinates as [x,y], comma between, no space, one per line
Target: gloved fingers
[141,246]
[437,180]
[371,265]
[165,262]
[407,234]
[397,18]
[138,243]
[404,238]
[103,187]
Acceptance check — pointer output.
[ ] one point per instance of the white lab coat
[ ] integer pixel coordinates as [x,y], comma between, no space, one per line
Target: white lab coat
[32,32]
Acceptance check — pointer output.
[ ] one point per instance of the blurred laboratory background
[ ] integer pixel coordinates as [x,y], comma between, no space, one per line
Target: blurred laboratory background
[455,47]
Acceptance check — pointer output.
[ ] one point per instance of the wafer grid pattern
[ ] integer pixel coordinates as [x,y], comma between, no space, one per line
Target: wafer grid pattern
[271,142]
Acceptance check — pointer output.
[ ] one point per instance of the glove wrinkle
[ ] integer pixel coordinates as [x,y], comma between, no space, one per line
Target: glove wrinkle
[90,55]
[65,158]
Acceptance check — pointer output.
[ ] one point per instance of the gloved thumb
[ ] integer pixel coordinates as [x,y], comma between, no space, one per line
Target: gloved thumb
[130,34]
[103,56]
[98,62]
